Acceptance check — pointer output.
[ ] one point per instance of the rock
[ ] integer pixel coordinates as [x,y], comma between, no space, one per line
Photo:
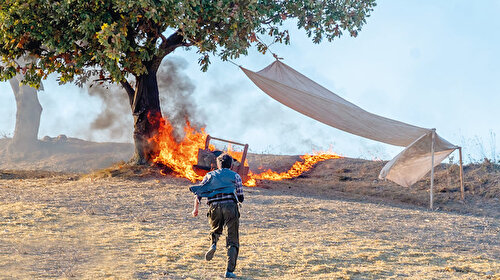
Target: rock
[62,138]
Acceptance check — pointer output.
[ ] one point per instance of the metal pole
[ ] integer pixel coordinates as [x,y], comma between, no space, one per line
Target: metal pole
[462,195]
[207,142]
[242,163]
[432,168]
[228,141]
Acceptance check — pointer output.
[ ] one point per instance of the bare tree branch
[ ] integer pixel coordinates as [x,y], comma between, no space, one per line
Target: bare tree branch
[167,46]
[102,80]
[130,91]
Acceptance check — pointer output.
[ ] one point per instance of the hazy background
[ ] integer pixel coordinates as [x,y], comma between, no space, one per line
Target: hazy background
[421,62]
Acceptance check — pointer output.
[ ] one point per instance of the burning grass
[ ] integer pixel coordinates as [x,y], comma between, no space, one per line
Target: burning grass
[299,167]
[179,156]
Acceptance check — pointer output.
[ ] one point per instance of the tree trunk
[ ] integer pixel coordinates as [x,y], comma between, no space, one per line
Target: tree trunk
[145,101]
[146,111]
[28,115]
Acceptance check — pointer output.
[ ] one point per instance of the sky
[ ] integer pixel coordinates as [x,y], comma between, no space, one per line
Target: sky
[433,64]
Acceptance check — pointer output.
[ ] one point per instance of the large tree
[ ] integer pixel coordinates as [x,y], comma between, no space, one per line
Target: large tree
[125,41]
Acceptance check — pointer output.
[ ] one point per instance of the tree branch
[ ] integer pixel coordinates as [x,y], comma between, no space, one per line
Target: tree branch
[184,44]
[103,80]
[283,16]
[167,46]
[129,89]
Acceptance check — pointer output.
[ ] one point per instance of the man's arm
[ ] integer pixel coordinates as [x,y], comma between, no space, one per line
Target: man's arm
[195,206]
[239,188]
[197,199]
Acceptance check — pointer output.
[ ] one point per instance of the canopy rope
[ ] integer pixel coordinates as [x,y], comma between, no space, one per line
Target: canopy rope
[268,48]
[230,61]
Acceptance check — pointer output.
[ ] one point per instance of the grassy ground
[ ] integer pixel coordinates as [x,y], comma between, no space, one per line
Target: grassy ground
[64,226]
[357,178]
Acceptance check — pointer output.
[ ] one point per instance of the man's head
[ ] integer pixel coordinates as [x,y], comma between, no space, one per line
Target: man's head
[224,161]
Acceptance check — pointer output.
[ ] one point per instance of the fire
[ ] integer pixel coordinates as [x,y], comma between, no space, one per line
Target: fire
[180,156]
[235,154]
[296,170]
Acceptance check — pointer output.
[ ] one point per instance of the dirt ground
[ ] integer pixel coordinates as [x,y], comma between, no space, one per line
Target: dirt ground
[337,221]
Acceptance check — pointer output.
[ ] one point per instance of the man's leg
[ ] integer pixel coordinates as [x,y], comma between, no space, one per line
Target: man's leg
[231,219]
[216,221]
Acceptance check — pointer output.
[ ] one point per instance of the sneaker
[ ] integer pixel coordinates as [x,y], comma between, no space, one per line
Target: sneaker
[209,255]
[230,274]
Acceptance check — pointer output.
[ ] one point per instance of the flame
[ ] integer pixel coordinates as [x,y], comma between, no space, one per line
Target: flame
[296,170]
[180,156]
[235,154]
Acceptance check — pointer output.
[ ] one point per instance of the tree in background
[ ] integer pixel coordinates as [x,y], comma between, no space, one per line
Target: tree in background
[28,112]
[125,41]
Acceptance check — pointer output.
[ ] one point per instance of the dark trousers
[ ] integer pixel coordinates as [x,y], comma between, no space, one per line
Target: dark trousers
[226,214]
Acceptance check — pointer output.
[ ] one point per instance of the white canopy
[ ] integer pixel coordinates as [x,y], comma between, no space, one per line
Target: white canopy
[300,93]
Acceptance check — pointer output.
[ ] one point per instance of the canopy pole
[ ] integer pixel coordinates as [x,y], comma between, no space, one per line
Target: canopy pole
[432,169]
[462,195]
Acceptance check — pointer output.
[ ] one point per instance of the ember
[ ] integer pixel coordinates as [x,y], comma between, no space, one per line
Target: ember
[180,156]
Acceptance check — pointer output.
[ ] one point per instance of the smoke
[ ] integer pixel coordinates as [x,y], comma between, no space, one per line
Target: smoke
[176,95]
[176,98]
[115,119]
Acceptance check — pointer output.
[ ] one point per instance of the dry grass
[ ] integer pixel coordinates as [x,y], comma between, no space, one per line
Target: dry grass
[123,228]
[335,222]
[128,171]
[358,179]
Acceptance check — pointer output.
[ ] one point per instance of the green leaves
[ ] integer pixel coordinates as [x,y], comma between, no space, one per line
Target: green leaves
[122,37]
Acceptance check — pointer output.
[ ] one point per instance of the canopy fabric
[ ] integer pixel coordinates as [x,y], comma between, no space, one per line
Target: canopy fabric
[416,160]
[300,93]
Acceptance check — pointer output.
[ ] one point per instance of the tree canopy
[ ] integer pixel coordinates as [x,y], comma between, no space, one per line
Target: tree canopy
[114,39]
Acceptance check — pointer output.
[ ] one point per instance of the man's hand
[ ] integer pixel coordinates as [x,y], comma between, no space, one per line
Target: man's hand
[195,206]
